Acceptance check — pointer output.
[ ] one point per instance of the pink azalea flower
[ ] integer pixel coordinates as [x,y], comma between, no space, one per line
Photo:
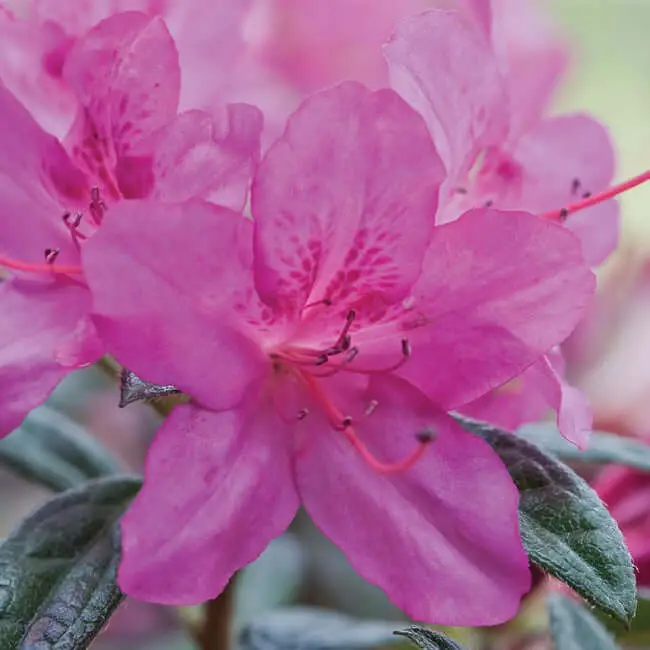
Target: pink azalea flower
[126,142]
[483,90]
[36,44]
[322,344]
[497,147]
[626,493]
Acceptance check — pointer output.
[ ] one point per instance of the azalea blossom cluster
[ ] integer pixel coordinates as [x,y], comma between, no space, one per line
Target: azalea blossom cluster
[326,277]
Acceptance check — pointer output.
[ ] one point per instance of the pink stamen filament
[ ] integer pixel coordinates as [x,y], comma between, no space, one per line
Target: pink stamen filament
[344,425]
[54,269]
[594,199]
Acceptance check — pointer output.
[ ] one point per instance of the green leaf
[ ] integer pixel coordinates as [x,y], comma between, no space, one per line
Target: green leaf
[58,570]
[603,447]
[575,628]
[50,449]
[565,528]
[428,639]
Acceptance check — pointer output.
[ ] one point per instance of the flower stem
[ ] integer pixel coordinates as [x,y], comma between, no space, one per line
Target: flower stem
[217,624]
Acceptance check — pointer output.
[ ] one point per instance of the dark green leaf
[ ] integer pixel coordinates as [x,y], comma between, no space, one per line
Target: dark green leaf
[603,447]
[52,450]
[573,627]
[428,639]
[308,628]
[58,570]
[565,527]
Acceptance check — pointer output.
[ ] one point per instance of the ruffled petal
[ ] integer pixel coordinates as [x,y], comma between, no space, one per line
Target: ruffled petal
[218,487]
[442,538]
[344,201]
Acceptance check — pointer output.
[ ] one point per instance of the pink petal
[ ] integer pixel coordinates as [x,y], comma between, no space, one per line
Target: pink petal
[344,200]
[29,50]
[441,539]
[498,290]
[511,405]
[171,325]
[532,56]
[558,152]
[218,487]
[447,71]
[126,75]
[527,398]
[44,334]
[574,416]
[37,184]
[201,156]
[209,36]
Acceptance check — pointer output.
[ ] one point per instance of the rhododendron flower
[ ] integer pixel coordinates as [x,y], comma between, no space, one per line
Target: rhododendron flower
[126,142]
[497,148]
[626,492]
[322,344]
[475,83]
[38,35]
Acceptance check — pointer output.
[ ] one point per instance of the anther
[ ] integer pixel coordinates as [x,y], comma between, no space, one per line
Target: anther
[371,407]
[460,190]
[575,185]
[406,348]
[488,204]
[325,301]
[346,422]
[302,414]
[322,360]
[564,213]
[97,206]
[586,195]
[425,435]
[72,221]
[51,254]
[351,355]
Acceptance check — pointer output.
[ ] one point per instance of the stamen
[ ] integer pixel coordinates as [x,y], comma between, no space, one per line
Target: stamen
[97,207]
[48,267]
[406,354]
[51,254]
[72,223]
[325,301]
[344,425]
[371,408]
[595,199]
[389,468]
[575,186]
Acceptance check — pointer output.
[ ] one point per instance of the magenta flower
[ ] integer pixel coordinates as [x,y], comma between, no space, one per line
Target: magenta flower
[36,45]
[126,142]
[322,345]
[482,89]
[476,96]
